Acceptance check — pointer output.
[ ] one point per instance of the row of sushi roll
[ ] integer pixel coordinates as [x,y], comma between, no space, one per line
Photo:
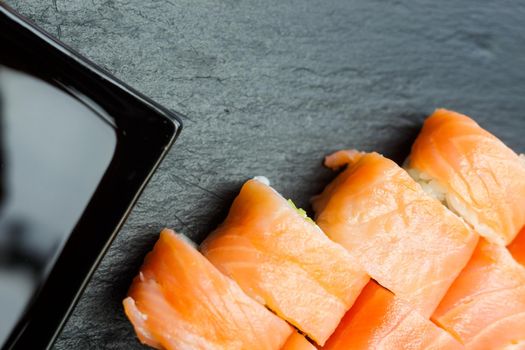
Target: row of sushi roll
[412,258]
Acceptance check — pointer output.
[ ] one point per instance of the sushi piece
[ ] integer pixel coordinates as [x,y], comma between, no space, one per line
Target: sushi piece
[473,172]
[517,247]
[180,301]
[485,307]
[406,240]
[298,342]
[281,258]
[379,320]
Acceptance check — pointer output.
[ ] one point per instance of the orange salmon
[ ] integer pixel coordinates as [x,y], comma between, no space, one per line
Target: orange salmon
[179,301]
[473,172]
[406,240]
[517,247]
[485,306]
[298,342]
[281,258]
[379,320]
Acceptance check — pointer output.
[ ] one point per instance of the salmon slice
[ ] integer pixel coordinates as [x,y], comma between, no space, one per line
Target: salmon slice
[180,301]
[379,320]
[485,306]
[517,247]
[281,258]
[473,172]
[298,342]
[406,240]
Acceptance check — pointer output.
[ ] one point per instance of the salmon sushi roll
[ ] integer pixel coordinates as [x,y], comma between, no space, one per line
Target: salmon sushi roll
[180,301]
[281,258]
[485,307]
[405,239]
[380,321]
[473,172]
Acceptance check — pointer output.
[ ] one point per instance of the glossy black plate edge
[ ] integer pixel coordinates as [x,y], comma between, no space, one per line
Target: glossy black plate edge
[102,73]
[49,310]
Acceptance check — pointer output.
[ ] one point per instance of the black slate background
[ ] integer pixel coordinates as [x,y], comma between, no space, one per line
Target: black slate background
[269,87]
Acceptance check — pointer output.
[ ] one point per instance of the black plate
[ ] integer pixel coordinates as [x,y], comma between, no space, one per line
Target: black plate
[144,132]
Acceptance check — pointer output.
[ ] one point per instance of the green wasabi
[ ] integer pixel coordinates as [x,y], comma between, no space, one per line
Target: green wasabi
[300,211]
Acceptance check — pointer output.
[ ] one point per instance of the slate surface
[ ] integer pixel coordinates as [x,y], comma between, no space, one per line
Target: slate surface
[269,87]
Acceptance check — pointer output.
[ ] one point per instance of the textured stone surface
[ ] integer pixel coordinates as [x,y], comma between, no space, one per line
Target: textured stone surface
[269,87]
